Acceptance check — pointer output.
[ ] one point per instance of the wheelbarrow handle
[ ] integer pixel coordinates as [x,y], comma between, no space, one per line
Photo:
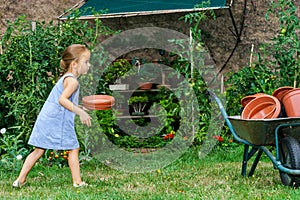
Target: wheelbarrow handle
[227,121]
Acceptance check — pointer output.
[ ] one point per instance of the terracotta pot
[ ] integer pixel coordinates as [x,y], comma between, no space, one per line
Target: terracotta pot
[262,111]
[262,107]
[247,99]
[280,92]
[98,102]
[95,107]
[146,86]
[291,101]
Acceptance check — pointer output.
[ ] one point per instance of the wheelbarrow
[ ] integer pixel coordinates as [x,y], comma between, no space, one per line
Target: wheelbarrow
[260,136]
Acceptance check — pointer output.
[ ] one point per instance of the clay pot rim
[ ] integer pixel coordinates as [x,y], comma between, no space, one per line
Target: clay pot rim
[98,100]
[247,99]
[288,92]
[280,92]
[275,101]
[291,102]
[98,107]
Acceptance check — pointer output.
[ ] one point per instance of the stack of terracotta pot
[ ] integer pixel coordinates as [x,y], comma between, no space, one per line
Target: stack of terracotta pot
[98,102]
[264,106]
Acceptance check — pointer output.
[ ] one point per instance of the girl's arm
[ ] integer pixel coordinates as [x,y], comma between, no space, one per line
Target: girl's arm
[70,86]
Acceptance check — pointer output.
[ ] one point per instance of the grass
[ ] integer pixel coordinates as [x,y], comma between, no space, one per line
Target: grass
[216,176]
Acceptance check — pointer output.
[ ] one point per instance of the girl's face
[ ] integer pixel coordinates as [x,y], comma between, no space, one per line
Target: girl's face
[84,63]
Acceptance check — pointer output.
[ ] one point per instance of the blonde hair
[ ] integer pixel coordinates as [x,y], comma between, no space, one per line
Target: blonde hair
[70,54]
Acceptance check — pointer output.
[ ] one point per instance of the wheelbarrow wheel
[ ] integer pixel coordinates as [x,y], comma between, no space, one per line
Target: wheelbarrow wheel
[289,156]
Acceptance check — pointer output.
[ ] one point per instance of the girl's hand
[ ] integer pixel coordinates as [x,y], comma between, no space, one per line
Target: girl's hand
[85,118]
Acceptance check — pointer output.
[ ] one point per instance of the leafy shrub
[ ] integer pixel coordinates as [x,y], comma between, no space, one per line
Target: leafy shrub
[12,151]
[278,62]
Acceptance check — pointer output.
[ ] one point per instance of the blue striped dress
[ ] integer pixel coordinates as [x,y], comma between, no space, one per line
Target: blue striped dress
[54,127]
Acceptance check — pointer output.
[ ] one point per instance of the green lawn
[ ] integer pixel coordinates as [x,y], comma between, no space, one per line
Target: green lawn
[217,176]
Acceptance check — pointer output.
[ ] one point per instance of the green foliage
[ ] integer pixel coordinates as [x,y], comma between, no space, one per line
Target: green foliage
[117,69]
[138,103]
[277,64]
[12,151]
[182,64]
[114,71]
[201,91]
[137,99]
[285,47]
[249,80]
[195,18]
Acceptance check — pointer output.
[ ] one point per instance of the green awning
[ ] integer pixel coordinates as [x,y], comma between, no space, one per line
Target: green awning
[119,7]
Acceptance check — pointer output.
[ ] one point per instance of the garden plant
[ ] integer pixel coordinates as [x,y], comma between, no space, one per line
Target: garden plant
[277,62]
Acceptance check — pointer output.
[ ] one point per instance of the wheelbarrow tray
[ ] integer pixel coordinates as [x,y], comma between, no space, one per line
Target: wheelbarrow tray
[262,131]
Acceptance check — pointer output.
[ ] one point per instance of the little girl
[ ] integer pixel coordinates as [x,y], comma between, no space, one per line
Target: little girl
[54,127]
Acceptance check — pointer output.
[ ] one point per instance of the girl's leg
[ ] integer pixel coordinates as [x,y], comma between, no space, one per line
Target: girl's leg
[29,163]
[73,161]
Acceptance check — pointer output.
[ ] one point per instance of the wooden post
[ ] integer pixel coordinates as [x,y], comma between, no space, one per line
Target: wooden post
[33,26]
[251,55]
[192,72]
[191,53]
[222,84]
